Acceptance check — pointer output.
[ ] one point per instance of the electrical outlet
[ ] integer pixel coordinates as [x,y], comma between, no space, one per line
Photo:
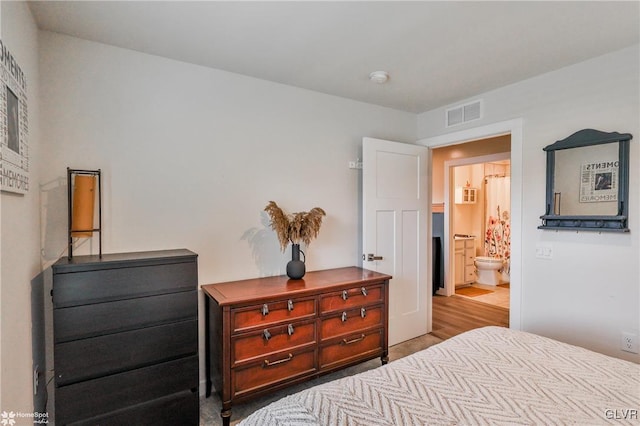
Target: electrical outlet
[629,342]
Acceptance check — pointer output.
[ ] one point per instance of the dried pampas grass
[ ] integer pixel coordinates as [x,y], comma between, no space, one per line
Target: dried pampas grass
[296,227]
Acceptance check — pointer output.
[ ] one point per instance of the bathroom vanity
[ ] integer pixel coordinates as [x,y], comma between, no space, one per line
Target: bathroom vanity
[464,255]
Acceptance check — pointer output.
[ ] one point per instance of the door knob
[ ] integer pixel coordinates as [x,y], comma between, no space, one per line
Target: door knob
[371,257]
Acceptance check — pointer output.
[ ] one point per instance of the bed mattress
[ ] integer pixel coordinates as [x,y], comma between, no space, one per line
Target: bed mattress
[487,376]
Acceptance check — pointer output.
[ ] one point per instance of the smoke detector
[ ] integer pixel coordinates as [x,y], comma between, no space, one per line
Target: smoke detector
[379,77]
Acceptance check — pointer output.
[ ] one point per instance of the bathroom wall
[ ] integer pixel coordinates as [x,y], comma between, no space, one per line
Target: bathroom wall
[468,218]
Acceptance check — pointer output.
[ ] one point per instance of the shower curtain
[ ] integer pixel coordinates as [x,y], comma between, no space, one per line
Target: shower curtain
[497,215]
[497,194]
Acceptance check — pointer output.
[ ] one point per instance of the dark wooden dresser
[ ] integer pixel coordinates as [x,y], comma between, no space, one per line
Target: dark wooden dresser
[126,339]
[267,333]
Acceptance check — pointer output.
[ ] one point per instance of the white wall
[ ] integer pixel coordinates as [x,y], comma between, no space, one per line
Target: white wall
[192,155]
[589,292]
[20,225]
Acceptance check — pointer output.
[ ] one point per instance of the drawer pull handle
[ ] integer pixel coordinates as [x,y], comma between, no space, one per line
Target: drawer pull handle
[290,305]
[266,335]
[356,340]
[363,312]
[364,291]
[345,295]
[290,329]
[343,318]
[265,310]
[267,363]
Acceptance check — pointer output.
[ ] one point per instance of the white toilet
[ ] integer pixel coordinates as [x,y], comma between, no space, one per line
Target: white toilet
[488,269]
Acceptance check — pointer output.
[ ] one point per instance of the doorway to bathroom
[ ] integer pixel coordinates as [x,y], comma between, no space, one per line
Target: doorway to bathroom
[479,220]
[471,194]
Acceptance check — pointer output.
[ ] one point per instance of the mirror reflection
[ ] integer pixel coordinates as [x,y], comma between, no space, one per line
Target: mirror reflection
[586,181]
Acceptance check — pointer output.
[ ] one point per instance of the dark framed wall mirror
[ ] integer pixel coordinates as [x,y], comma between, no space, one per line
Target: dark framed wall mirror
[588,182]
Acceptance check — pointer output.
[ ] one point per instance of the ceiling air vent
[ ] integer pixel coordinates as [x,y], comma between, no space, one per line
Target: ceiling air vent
[454,116]
[464,113]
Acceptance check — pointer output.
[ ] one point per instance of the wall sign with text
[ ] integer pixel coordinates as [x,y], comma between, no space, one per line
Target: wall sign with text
[599,181]
[14,125]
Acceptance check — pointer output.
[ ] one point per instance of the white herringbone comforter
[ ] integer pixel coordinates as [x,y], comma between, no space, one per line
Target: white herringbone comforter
[488,376]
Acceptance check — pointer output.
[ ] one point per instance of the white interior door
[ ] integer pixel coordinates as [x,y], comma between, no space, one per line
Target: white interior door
[395,229]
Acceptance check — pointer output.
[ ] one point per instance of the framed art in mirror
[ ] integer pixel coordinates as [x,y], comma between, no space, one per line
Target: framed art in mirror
[588,182]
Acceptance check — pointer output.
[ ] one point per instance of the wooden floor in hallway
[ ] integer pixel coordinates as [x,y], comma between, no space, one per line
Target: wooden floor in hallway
[454,315]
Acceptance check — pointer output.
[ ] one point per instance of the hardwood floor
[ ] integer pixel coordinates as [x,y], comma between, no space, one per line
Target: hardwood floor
[454,315]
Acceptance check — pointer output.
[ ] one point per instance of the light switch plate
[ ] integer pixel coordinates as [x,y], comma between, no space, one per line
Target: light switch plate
[544,251]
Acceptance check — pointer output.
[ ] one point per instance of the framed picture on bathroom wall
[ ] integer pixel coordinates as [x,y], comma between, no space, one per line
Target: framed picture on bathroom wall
[587,182]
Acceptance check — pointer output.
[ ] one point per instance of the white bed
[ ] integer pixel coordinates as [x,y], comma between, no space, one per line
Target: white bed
[489,376]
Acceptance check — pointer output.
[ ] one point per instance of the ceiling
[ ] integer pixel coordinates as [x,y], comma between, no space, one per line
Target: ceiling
[437,53]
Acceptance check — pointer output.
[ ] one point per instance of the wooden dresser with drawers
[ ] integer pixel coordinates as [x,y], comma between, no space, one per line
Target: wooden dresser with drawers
[267,333]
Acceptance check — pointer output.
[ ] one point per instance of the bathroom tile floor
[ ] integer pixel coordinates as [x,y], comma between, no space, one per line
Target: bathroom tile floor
[499,296]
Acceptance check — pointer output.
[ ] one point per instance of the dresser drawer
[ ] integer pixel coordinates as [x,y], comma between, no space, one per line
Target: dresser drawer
[80,288]
[99,356]
[350,348]
[270,340]
[181,409]
[348,322]
[271,370]
[128,389]
[271,313]
[84,321]
[358,296]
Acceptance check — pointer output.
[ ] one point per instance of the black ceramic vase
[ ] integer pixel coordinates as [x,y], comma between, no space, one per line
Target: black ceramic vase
[295,267]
